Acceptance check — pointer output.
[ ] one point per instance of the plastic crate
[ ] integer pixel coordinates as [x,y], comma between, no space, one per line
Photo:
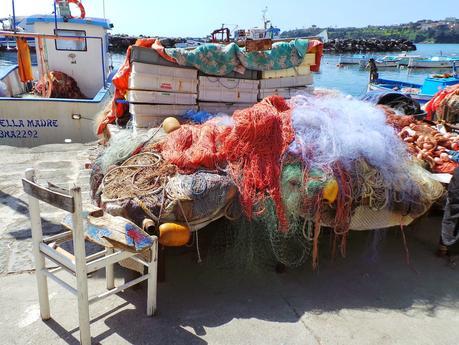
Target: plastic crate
[158,70]
[158,97]
[227,90]
[287,92]
[144,81]
[286,82]
[147,116]
[160,109]
[223,95]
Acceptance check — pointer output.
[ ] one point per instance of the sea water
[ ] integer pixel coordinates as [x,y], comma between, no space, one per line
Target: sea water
[349,79]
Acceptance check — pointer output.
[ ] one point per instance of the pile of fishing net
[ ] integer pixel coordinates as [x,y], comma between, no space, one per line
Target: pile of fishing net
[58,85]
[290,168]
[445,105]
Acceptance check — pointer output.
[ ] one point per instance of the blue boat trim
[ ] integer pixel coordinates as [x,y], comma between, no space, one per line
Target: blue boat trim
[104,23]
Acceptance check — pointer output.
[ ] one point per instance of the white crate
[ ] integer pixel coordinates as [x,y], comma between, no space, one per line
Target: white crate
[289,72]
[158,97]
[165,71]
[160,109]
[225,108]
[147,121]
[227,90]
[144,81]
[288,92]
[227,83]
[286,82]
[227,95]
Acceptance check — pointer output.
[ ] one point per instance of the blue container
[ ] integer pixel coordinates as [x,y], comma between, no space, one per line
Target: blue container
[432,85]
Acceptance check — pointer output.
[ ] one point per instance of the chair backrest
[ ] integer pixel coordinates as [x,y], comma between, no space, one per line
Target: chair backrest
[54,196]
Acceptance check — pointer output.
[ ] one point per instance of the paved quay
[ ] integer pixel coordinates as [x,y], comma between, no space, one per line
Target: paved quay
[370,297]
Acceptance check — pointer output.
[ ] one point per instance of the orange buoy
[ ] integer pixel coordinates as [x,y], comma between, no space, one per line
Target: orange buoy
[174,235]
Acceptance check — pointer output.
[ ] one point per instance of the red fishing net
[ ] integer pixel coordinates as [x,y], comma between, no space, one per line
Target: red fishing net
[252,148]
[193,147]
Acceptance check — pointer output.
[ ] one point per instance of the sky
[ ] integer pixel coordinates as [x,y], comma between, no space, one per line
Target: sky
[197,18]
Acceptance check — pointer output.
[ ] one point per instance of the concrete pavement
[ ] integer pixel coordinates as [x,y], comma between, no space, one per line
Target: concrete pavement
[370,297]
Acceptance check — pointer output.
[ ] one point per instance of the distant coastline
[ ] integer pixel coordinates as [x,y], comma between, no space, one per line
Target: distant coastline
[422,31]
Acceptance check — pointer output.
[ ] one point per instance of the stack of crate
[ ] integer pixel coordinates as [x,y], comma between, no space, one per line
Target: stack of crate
[229,93]
[288,82]
[158,89]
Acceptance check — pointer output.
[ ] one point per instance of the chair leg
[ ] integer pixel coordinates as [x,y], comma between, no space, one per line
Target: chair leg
[83,308]
[152,280]
[37,237]
[109,271]
[80,268]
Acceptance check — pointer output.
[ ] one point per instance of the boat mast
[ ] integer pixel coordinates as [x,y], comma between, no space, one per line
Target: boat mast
[14,16]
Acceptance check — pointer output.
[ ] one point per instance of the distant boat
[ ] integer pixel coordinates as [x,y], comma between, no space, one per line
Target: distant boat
[386,61]
[433,62]
[355,59]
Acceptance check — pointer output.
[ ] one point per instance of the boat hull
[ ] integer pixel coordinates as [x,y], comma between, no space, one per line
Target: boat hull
[431,64]
[422,99]
[32,122]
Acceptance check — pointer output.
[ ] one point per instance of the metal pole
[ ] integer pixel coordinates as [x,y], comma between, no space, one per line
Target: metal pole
[14,16]
[55,16]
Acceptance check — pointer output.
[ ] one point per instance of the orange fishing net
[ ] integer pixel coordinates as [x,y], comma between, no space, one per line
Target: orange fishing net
[192,148]
[252,149]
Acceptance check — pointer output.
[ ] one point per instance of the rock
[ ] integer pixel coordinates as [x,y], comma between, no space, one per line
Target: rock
[371,45]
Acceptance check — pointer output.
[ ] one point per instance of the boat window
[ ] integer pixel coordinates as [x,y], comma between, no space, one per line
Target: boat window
[68,44]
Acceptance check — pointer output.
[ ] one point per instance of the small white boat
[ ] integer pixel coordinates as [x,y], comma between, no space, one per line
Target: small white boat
[77,47]
[356,59]
[433,62]
[386,61]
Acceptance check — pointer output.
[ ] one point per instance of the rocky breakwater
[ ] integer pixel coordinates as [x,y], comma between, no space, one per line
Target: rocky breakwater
[367,45]
[119,43]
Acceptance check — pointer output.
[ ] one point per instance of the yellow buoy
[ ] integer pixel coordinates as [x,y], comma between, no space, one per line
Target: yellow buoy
[173,234]
[330,192]
[170,124]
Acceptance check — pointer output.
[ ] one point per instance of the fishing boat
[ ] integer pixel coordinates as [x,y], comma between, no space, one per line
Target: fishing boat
[420,92]
[385,61]
[9,43]
[404,58]
[356,59]
[433,62]
[75,47]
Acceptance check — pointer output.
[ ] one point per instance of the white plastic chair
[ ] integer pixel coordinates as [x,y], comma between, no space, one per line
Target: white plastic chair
[78,264]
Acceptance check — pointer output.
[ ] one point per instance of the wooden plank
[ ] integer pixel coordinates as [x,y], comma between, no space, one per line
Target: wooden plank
[109,231]
[119,288]
[80,268]
[57,257]
[110,259]
[62,201]
[62,283]
[39,259]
